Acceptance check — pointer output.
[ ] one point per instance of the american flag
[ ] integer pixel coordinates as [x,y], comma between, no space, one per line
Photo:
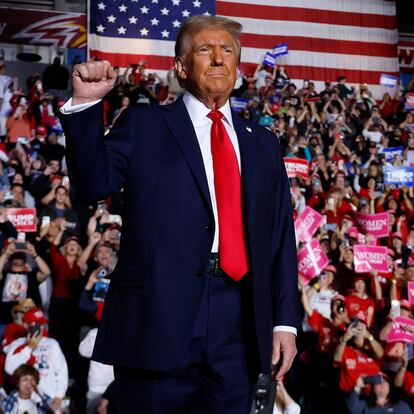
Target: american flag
[326,38]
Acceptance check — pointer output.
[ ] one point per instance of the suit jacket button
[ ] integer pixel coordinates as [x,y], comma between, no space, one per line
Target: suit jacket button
[208,227]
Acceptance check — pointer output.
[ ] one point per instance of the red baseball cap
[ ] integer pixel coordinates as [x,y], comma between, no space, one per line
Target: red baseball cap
[338,297]
[330,268]
[404,303]
[34,315]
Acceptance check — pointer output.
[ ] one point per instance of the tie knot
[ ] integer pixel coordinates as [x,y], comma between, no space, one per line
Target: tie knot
[215,115]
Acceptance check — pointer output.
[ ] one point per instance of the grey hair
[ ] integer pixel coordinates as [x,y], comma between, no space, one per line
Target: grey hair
[196,23]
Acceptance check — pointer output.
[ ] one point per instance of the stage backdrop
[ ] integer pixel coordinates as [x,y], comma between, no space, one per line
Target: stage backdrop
[325,38]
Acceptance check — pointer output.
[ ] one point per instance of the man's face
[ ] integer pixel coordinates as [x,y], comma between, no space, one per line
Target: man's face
[61,195]
[104,256]
[18,194]
[209,68]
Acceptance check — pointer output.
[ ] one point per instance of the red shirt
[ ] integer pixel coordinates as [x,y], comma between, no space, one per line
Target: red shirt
[65,277]
[329,334]
[355,304]
[355,363]
[409,383]
[12,332]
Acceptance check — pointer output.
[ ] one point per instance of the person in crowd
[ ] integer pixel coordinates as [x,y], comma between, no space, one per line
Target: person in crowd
[27,398]
[284,403]
[55,77]
[380,399]
[21,272]
[42,353]
[100,376]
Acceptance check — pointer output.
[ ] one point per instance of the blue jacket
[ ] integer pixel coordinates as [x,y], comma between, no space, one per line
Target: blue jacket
[168,229]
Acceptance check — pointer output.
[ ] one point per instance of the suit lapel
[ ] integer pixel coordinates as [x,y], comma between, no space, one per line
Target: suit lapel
[247,147]
[182,129]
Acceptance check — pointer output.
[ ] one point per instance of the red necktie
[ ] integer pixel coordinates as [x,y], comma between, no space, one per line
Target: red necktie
[227,184]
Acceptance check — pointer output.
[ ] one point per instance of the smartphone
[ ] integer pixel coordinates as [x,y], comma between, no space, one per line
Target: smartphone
[373,380]
[45,221]
[34,329]
[20,245]
[65,180]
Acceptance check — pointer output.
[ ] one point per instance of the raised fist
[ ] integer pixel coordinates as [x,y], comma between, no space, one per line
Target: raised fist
[92,81]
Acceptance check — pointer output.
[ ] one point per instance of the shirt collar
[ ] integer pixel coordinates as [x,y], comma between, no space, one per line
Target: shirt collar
[198,111]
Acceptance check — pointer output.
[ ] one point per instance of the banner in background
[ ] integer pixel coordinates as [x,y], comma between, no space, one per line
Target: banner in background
[307,224]
[374,224]
[367,258]
[40,27]
[24,219]
[311,260]
[388,80]
[296,166]
[391,152]
[238,104]
[280,49]
[402,330]
[269,60]
[403,175]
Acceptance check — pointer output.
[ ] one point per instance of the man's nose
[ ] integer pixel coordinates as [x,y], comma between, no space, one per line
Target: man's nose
[217,56]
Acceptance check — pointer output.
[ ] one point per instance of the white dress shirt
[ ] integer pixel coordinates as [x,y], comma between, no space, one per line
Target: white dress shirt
[202,125]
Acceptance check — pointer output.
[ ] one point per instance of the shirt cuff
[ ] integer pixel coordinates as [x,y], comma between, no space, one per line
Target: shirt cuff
[68,108]
[284,328]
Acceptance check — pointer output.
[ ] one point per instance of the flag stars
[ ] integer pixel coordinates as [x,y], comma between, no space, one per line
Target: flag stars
[122,8]
[111,18]
[155,1]
[144,32]
[100,28]
[176,2]
[121,30]
[101,6]
[154,21]
[164,11]
[144,10]
[134,1]
[197,3]
[133,20]
[176,23]
[165,33]
[185,13]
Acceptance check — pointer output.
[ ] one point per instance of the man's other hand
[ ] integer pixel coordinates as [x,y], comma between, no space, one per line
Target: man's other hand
[284,351]
[92,81]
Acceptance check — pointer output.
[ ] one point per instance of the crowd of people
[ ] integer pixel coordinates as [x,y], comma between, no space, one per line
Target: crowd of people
[53,280]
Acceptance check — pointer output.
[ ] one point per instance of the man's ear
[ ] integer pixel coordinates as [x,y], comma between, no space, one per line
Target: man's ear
[180,68]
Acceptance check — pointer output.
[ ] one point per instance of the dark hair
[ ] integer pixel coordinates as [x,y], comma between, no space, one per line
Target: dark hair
[196,23]
[17,185]
[23,370]
[17,256]
[59,187]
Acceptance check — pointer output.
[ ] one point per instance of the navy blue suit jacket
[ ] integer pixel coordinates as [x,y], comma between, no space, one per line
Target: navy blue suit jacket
[168,229]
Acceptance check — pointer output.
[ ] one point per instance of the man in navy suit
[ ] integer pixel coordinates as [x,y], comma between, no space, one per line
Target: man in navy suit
[204,295]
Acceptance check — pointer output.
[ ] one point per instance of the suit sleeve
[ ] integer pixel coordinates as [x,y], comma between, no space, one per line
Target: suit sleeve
[285,269]
[97,163]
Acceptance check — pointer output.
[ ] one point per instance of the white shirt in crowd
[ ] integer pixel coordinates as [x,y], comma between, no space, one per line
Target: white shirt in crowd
[99,375]
[202,125]
[49,361]
[292,408]
[321,301]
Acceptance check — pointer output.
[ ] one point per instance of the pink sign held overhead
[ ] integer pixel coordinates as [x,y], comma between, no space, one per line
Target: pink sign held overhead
[374,224]
[410,289]
[311,260]
[296,166]
[367,258]
[24,219]
[402,330]
[307,224]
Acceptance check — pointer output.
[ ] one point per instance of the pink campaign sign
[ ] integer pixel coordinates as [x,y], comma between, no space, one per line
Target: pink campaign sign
[307,224]
[402,330]
[367,258]
[410,289]
[311,260]
[362,238]
[374,224]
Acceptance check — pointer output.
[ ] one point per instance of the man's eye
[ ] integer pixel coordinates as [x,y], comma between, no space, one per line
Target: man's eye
[204,49]
[228,50]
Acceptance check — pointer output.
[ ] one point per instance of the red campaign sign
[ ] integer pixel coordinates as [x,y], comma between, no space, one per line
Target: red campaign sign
[410,289]
[375,224]
[41,27]
[297,166]
[24,219]
[307,224]
[367,258]
[311,260]
[402,330]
